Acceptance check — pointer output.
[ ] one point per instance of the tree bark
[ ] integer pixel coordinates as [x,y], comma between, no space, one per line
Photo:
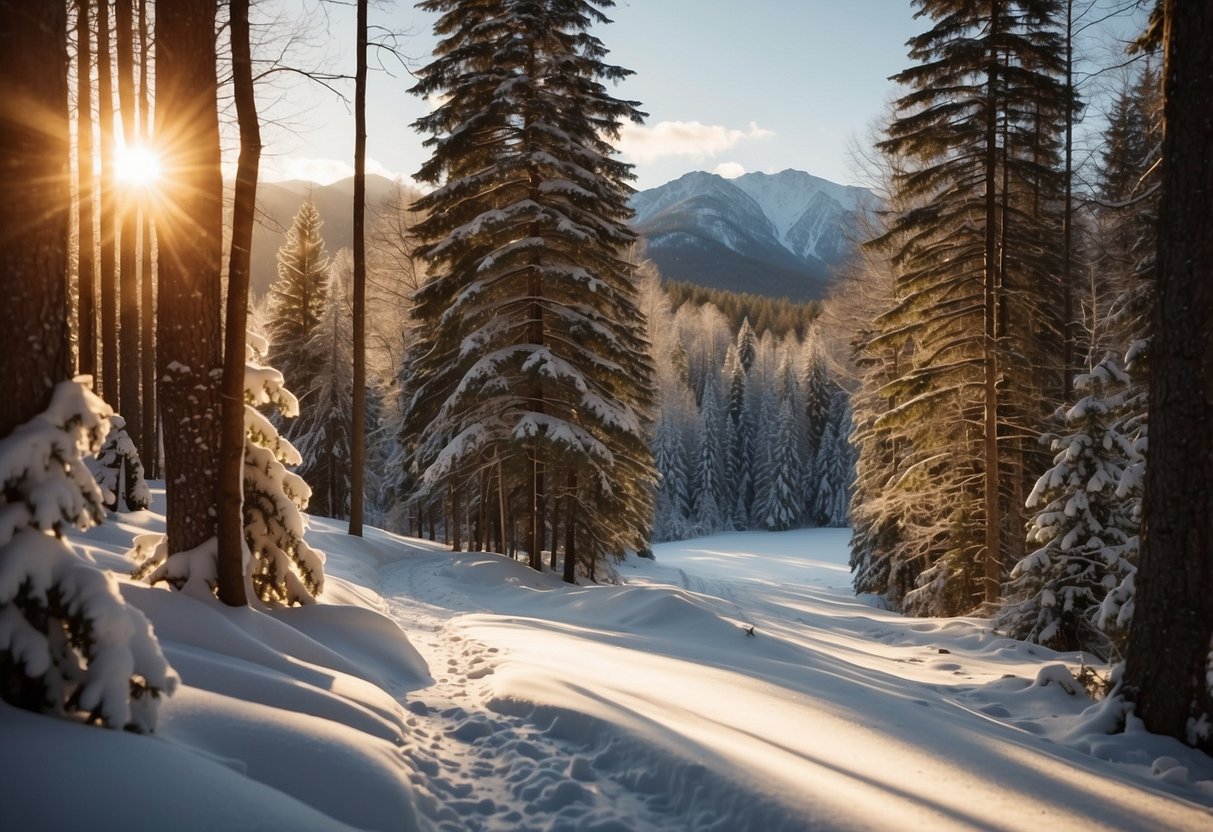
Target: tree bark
[993,554]
[109,278]
[570,532]
[130,371]
[358,420]
[190,240]
[35,169]
[86,331]
[150,452]
[1167,658]
[229,487]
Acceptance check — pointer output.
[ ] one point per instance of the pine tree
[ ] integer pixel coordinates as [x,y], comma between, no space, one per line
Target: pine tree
[780,505]
[975,147]
[672,503]
[322,432]
[711,462]
[297,302]
[534,356]
[1083,526]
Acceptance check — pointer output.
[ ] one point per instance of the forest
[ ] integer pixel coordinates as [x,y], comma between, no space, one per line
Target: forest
[1005,396]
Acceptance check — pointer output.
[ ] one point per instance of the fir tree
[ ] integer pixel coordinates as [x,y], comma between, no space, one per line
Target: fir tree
[1083,526]
[534,355]
[322,432]
[780,505]
[297,302]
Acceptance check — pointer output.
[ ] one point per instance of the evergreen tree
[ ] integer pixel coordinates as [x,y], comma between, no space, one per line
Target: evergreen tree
[975,149]
[780,505]
[297,302]
[322,432]
[533,356]
[672,504]
[1085,531]
[711,462]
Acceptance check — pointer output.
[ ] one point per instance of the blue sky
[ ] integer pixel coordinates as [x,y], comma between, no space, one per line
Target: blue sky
[728,84]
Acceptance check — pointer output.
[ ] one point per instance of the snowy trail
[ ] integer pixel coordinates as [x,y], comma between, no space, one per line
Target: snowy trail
[647,706]
[481,768]
[446,691]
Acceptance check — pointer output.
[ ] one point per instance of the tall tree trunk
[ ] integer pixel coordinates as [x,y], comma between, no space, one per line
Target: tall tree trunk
[358,420]
[150,452]
[190,237]
[130,371]
[993,555]
[1167,659]
[87,268]
[109,278]
[570,532]
[35,200]
[1067,224]
[230,485]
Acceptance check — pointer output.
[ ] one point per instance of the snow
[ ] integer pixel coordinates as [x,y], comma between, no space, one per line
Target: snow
[438,690]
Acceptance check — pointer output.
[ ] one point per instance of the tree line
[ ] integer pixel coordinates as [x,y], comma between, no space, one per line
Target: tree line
[1015,360]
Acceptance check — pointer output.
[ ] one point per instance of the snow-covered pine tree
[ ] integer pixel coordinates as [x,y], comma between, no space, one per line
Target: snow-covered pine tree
[296,303]
[711,466]
[119,471]
[1084,527]
[672,505]
[321,433]
[68,641]
[281,566]
[781,504]
[834,469]
[533,356]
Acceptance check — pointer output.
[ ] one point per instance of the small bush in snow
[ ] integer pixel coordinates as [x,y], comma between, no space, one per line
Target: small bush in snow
[68,641]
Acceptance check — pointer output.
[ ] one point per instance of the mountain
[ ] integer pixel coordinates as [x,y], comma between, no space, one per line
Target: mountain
[769,234]
[277,204]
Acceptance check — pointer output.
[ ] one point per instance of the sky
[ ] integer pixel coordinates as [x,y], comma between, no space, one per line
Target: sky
[731,87]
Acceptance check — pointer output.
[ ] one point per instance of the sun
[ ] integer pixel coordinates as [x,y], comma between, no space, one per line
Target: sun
[137,166]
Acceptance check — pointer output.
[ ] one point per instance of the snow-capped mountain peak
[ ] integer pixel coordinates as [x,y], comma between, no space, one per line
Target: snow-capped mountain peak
[775,234]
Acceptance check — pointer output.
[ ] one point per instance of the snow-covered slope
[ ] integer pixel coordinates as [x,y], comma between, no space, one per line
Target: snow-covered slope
[775,234]
[440,691]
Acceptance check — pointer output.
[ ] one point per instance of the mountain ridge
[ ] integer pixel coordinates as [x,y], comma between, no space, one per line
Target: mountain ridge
[777,234]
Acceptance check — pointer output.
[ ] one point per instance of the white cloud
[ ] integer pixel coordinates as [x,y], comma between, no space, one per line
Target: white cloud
[682,138]
[729,170]
[320,171]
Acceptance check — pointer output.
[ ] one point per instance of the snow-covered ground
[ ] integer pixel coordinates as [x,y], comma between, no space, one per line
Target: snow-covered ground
[734,683]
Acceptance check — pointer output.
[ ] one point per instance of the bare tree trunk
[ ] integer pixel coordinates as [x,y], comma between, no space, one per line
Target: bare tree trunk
[190,237]
[109,278]
[1067,223]
[358,427]
[150,452]
[993,555]
[1166,661]
[570,532]
[128,295]
[87,269]
[230,484]
[35,199]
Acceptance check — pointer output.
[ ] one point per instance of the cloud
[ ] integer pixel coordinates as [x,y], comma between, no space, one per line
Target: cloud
[320,171]
[729,170]
[682,138]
